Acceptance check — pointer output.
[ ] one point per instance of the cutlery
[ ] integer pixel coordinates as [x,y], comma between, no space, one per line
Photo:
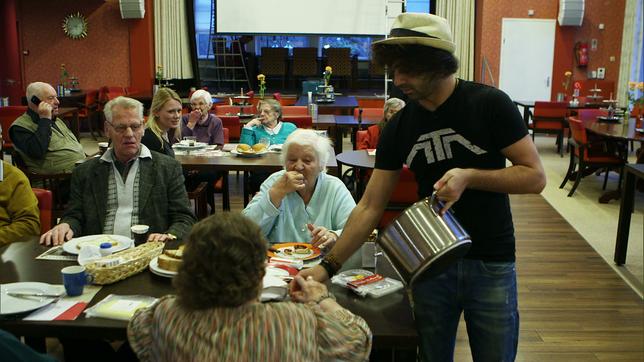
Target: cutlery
[32,294]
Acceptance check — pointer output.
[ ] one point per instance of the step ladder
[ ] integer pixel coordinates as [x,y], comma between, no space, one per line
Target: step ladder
[229,66]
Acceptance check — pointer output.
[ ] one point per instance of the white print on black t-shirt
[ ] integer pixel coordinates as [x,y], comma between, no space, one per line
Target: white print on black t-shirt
[437,145]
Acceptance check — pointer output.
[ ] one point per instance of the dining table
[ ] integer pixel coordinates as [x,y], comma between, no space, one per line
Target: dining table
[342,104]
[632,172]
[389,317]
[360,160]
[227,161]
[528,105]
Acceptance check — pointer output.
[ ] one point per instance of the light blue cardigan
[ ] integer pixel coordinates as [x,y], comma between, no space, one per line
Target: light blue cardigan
[330,207]
[251,136]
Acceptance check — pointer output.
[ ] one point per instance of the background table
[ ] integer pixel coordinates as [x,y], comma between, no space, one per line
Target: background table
[342,105]
[361,160]
[631,173]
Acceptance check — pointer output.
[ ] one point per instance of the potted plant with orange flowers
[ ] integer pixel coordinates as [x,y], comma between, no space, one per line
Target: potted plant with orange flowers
[636,101]
[566,85]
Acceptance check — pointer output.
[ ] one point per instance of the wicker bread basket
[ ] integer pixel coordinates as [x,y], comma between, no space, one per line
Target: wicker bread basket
[119,266]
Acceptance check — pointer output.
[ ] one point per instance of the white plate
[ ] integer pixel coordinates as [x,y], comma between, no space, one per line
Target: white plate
[123,242]
[156,269]
[240,154]
[13,305]
[183,146]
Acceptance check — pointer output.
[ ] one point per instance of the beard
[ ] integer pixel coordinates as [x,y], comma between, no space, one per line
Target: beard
[425,88]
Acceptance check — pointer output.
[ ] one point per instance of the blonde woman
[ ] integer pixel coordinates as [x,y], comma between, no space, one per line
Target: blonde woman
[163,127]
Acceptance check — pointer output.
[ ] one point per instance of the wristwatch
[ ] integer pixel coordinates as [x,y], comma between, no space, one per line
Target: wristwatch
[330,264]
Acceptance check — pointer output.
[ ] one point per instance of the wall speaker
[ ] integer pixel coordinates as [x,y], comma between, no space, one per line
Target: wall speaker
[571,12]
[132,9]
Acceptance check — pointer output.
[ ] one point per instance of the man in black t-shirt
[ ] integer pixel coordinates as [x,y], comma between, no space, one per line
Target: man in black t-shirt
[455,136]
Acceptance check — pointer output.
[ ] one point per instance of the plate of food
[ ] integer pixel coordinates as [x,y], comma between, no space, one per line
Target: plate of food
[168,263]
[297,251]
[244,150]
[119,242]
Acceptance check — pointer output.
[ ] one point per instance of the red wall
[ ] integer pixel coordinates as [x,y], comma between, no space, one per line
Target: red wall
[609,12]
[10,78]
[101,58]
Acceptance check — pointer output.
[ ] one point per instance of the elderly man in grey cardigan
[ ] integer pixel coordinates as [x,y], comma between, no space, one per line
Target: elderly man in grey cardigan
[128,185]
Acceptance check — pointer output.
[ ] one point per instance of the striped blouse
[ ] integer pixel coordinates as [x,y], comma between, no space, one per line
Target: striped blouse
[253,332]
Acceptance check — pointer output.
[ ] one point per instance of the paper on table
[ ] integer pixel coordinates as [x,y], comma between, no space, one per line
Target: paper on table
[121,307]
[371,152]
[56,253]
[66,308]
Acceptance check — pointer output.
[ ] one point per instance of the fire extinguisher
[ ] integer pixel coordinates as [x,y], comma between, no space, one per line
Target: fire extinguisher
[581,54]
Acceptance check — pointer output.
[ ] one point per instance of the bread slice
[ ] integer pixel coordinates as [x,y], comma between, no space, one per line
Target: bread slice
[169,263]
[177,254]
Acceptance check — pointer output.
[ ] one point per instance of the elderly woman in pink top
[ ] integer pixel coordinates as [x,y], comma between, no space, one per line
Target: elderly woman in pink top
[200,123]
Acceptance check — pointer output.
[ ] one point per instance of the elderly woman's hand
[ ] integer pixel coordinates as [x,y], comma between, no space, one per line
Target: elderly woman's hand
[193,118]
[323,238]
[254,122]
[289,182]
[309,290]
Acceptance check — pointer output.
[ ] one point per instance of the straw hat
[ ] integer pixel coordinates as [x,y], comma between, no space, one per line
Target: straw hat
[422,29]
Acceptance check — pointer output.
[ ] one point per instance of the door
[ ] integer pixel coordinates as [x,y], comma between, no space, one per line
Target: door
[527,53]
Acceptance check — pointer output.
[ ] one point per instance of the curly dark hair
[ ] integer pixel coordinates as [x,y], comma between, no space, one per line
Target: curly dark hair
[415,59]
[223,263]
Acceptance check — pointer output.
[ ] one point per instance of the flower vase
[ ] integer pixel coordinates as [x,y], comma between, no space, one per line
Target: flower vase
[560,97]
[155,88]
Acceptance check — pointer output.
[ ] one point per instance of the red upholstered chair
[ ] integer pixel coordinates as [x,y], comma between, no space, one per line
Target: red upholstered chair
[113,92]
[45,206]
[550,117]
[590,155]
[295,111]
[227,110]
[232,124]
[300,121]
[7,116]
[369,113]
[405,194]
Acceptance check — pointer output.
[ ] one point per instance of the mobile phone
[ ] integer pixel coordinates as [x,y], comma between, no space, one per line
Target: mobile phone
[35,100]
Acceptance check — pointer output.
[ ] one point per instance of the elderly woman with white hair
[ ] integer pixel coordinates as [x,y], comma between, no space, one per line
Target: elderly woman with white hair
[302,203]
[205,126]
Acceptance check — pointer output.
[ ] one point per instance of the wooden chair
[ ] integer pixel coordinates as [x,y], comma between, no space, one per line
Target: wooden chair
[7,116]
[300,121]
[45,202]
[273,63]
[376,73]
[221,185]
[586,155]
[88,111]
[295,111]
[199,196]
[340,60]
[57,183]
[549,118]
[305,63]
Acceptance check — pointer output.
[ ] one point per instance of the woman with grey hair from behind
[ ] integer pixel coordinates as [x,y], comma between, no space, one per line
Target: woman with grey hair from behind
[302,203]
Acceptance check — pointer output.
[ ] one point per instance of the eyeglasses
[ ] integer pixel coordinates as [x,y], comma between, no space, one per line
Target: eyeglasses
[121,128]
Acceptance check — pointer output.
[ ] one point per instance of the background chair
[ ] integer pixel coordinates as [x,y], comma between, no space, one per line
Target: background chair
[199,196]
[7,116]
[44,205]
[233,125]
[295,111]
[228,110]
[550,117]
[305,63]
[273,63]
[340,60]
[88,111]
[587,156]
[300,121]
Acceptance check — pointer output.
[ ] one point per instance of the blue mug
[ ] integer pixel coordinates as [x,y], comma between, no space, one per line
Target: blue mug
[74,279]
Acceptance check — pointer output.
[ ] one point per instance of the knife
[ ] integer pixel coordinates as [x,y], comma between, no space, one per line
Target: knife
[31,294]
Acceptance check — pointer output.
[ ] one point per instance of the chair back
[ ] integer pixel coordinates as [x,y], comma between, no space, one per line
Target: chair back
[113,92]
[199,195]
[226,135]
[340,60]
[361,136]
[405,193]
[305,62]
[590,113]
[231,123]
[273,61]
[549,115]
[91,103]
[8,115]
[295,111]
[578,133]
[45,203]
[300,121]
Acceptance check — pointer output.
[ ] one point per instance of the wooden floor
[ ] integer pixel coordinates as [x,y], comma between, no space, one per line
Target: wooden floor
[573,307]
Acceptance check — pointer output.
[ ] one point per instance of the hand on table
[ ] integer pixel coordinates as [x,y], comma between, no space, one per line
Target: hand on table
[57,235]
[323,238]
[161,237]
[317,273]
[309,290]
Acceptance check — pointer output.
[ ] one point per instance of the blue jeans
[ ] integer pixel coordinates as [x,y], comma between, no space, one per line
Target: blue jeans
[487,293]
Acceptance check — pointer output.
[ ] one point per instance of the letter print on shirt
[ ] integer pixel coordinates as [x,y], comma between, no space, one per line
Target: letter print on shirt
[437,146]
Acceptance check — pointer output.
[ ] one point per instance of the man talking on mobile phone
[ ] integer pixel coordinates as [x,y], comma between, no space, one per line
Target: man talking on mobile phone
[41,139]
